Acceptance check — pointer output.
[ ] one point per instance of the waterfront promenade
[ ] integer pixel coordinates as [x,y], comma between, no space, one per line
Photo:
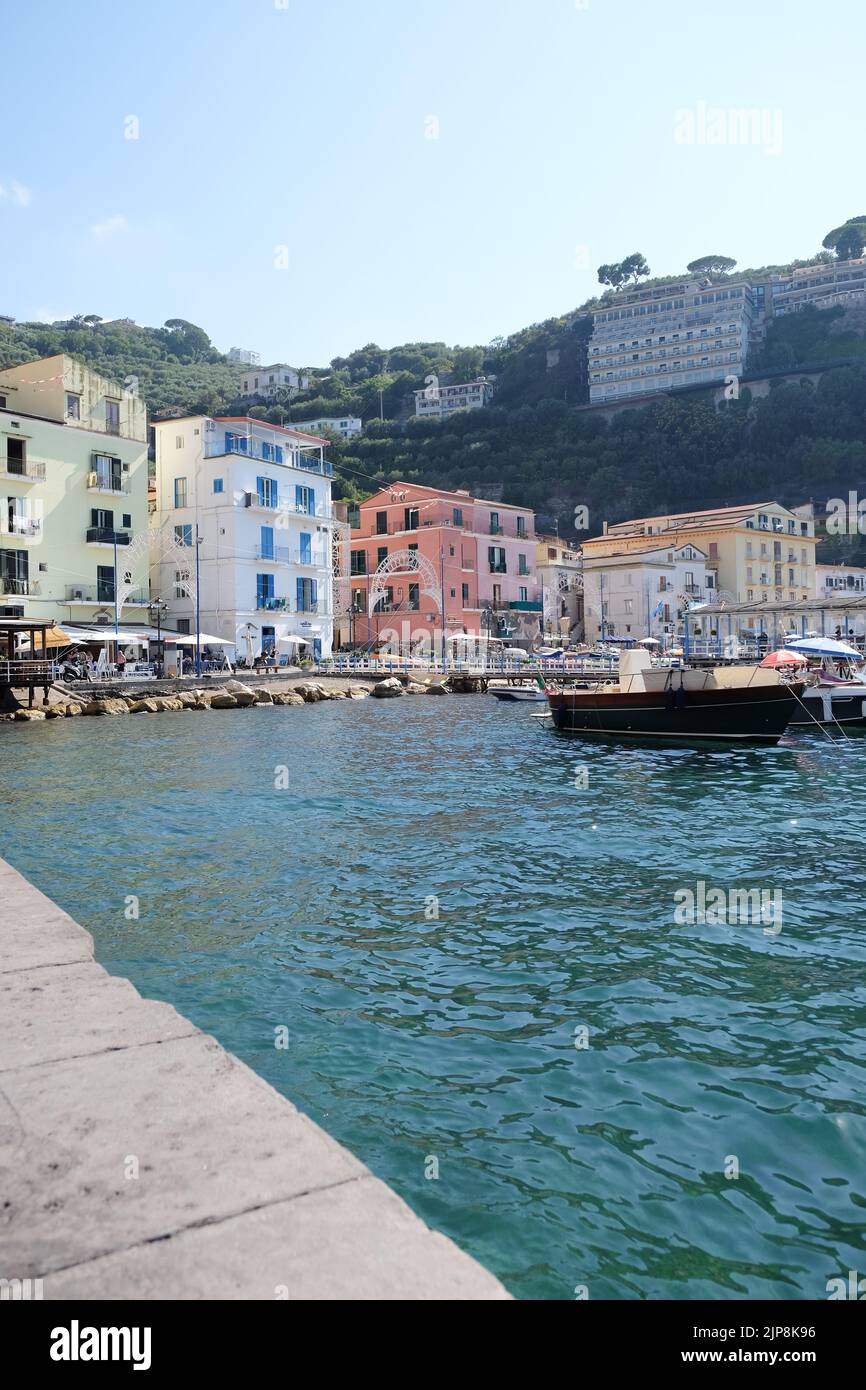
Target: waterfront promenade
[139,1159]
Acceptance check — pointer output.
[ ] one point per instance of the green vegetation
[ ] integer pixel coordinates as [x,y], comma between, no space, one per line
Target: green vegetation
[849,240]
[537,445]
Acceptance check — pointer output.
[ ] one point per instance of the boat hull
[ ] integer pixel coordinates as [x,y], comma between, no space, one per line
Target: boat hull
[738,715]
[516,693]
[828,706]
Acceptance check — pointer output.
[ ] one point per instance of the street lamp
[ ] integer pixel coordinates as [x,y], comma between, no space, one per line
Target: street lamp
[155,610]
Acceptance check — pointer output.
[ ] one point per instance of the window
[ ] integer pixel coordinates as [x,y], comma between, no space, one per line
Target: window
[73,406]
[105,583]
[183,535]
[180,492]
[524,594]
[521,526]
[381,554]
[414,597]
[522,567]
[381,523]
[306,595]
[112,417]
[465,595]
[306,548]
[457,516]
[264,591]
[218,485]
[496,558]
[179,590]
[178,441]
[267,492]
[410,516]
[16,455]
[305,500]
[495,528]
[358,562]
[628,605]
[127,520]
[183,626]
[266,542]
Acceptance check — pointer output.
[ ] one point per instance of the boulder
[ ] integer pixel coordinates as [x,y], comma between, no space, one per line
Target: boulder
[225,701]
[71,709]
[358,692]
[168,702]
[238,688]
[264,697]
[149,705]
[437,689]
[188,699]
[288,697]
[23,714]
[308,693]
[388,689]
[415,688]
[53,712]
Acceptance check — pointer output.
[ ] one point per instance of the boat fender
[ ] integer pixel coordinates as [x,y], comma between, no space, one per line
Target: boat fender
[681,697]
[670,698]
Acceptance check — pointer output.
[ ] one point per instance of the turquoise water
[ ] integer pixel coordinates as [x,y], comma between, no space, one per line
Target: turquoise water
[413,1039]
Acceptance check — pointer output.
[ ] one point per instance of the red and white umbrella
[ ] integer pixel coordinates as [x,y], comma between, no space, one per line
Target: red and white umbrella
[783,657]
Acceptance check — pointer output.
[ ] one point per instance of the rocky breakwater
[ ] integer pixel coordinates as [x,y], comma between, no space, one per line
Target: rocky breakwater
[231,695]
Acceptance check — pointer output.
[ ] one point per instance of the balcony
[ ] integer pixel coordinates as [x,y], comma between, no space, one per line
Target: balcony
[104,535]
[501,568]
[276,554]
[249,446]
[102,593]
[98,481]
[22,526]
[267,603]
[25,587]
[29,472]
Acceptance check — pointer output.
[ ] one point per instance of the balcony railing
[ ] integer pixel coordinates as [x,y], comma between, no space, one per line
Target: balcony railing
[268,603]
[278,554]
[501,568]
[252,499]
[98,481]
[26,587]
[29,472]
[104,535]
[22,526]
[250,447]
[102,593]
[21,673]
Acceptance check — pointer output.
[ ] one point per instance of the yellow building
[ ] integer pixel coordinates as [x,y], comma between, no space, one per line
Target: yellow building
[73,494]
[761,552]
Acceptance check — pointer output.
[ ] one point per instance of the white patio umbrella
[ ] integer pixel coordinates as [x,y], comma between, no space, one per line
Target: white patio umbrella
[823,646]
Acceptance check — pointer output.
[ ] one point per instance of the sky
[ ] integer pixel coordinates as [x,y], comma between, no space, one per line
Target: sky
[303,177]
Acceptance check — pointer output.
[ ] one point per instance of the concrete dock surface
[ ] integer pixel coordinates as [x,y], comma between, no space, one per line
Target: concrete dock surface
[139,1159]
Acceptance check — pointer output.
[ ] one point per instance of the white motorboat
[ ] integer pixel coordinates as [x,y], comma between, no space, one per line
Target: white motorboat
[518,691]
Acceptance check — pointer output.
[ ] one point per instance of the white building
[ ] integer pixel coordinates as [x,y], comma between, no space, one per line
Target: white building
[560,574]
[346,425]
[267,381]
[684,334]
[245,357]
[824,285]
[835,581]
[434,399]
[642,592]
[259,498]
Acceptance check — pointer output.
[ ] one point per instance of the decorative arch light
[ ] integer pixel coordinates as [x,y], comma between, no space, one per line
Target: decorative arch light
[405,562]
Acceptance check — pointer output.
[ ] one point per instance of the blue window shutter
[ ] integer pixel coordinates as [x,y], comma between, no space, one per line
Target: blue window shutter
[313,588]
[275,492]
[279,448]
[228,441]
[242,443]
[299,497]
[306,547]
[299,593]
[267,538]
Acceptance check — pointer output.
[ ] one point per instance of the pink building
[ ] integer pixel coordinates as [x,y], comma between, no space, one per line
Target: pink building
[414,543]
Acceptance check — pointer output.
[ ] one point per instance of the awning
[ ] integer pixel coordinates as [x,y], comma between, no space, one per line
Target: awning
[54,637]
[106,634]
[204,639]
[290,641]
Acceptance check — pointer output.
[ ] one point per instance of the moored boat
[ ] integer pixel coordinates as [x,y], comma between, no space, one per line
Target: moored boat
[740,704]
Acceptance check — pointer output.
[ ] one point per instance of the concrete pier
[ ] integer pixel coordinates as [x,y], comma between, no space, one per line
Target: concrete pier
[139,1159]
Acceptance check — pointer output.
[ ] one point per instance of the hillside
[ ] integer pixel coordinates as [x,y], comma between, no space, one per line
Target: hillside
[536,445]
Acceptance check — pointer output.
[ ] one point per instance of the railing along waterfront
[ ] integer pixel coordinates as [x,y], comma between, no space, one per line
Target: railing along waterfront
[21,672]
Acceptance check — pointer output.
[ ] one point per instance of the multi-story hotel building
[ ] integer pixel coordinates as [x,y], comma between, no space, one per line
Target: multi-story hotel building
[834,581]
[73,495]
[245,356]
[678,335]
[434,399]
[413,544]
[267,381]
[258,497]
[644,590]
[761,552]
[348,426]
[833,282]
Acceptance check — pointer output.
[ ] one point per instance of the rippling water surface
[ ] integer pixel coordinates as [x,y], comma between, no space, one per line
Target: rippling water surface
[413,1038]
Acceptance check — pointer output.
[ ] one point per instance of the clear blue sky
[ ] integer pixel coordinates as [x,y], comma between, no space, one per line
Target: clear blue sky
[302,123]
